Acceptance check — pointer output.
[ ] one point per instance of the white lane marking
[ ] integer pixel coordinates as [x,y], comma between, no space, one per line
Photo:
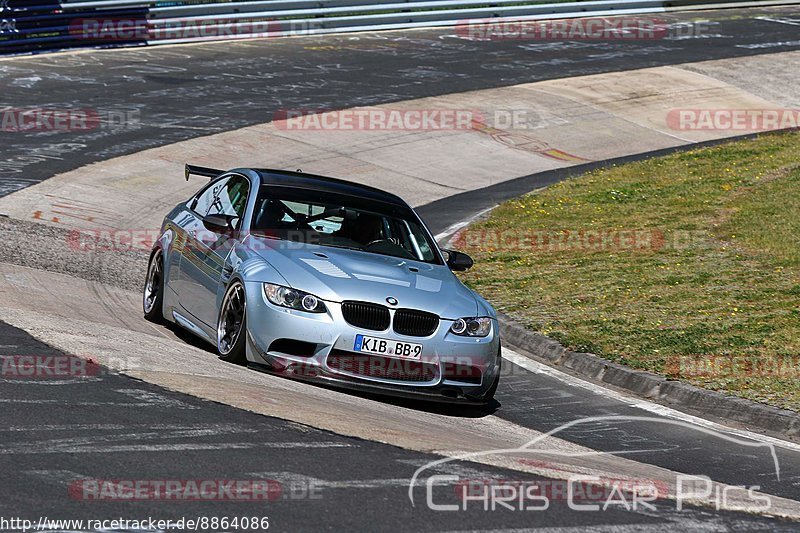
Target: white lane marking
[67,427]
[791,22]
[47,381]
[458,225]
[759,46]
[63,477]
[28,448]
[155,399]
[686,524]
[293,478]
[461,470]
[149,435]
[217,428]
[79,404]
[661,410]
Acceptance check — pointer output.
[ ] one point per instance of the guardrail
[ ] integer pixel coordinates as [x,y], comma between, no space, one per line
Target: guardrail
[41,25]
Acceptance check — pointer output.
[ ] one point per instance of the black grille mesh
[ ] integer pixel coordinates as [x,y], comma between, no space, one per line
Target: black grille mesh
[375,366]
[366,315]
[415,323]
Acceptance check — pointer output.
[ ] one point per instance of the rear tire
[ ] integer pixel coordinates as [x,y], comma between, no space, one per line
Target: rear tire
[232,325]
[153,292]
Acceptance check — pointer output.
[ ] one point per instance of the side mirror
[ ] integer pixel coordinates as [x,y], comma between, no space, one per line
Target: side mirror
[219,223]
[458,261]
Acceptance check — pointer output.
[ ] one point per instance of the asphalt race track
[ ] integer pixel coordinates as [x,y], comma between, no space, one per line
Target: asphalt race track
[95,429]
[111,426]
[180,92]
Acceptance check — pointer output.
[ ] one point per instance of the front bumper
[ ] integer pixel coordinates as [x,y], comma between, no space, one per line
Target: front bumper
[451,368]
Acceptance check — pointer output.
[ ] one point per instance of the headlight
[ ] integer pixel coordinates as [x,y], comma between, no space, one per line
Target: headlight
[472,327]
[293,299]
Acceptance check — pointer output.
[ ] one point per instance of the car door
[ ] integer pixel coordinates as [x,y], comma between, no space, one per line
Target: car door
[203,257]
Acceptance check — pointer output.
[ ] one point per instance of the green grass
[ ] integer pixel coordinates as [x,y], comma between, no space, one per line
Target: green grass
[714,274]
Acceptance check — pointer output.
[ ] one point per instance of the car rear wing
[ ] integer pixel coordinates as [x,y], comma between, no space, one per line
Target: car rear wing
[201,171]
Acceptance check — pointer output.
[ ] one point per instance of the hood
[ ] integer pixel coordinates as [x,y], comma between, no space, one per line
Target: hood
[337,274]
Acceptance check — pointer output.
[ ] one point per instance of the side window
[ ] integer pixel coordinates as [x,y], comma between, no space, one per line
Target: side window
[226,197]
[419,244]
[231,198]
[202,204]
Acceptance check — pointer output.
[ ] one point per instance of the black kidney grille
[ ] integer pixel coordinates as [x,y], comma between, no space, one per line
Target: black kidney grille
[415,323]
[366,315]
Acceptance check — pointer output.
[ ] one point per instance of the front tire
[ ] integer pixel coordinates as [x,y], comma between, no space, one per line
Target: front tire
[488,396]
[232,325]
[153,292]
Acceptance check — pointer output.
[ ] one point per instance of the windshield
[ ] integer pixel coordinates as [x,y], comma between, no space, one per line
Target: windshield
[342,221]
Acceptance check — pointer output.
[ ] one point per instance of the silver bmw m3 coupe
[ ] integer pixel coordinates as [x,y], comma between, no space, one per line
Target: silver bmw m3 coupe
[324,280]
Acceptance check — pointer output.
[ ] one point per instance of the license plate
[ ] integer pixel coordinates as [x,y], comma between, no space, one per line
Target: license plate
[374,345]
